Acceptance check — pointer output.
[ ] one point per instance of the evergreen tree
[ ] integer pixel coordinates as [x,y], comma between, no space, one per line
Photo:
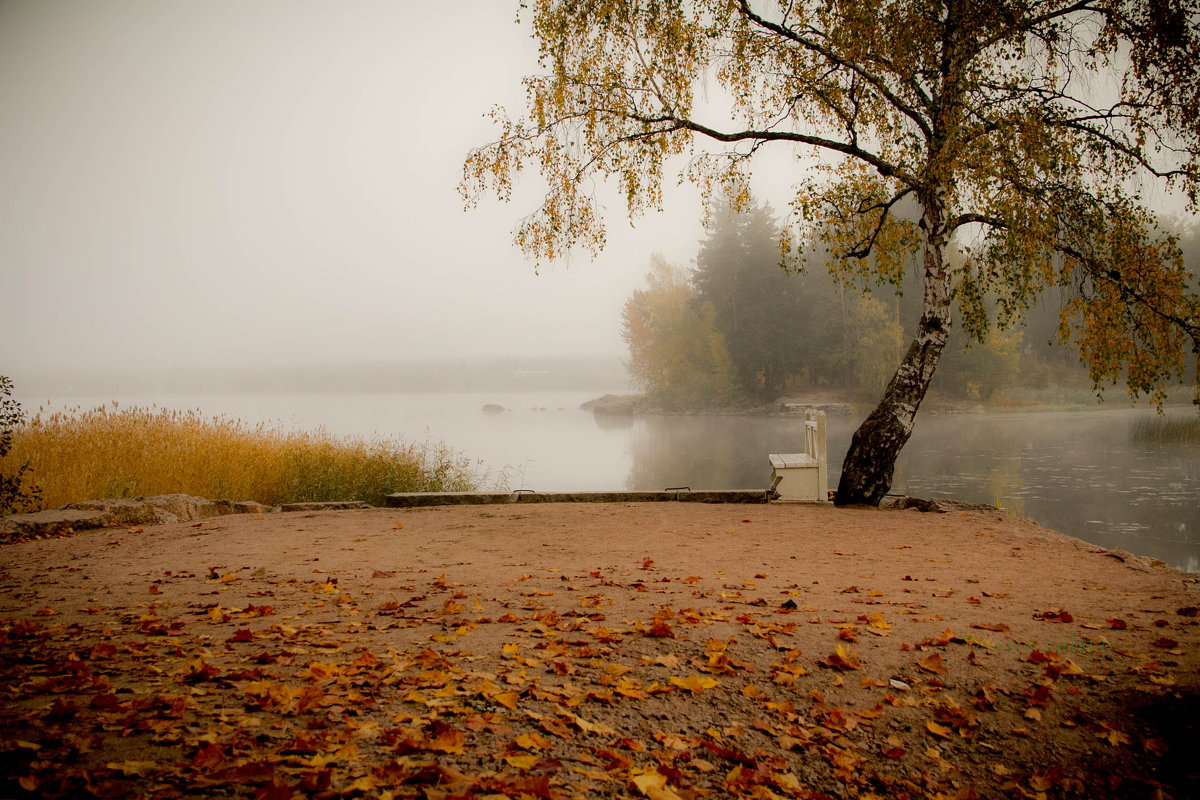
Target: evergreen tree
[759,309]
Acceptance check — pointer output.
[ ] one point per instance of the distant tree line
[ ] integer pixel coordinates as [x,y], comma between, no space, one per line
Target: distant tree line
[737,329]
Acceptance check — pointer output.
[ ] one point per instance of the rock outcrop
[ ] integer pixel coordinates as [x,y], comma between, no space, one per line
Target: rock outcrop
[121,512]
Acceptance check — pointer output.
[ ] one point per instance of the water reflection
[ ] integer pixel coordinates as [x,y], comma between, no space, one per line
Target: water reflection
[713,452]
[1081,473]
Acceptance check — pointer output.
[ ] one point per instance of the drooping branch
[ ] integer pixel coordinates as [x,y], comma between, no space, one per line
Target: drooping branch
[863,248]
[882,166]
[1189,325]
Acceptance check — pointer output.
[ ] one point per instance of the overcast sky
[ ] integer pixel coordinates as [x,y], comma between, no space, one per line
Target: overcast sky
[209,182]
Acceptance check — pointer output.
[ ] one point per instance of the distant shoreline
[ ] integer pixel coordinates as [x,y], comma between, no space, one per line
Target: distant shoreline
[628,405]
[618,405]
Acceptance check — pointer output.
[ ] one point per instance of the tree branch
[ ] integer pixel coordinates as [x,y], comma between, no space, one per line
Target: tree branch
[883,167]
[874,80]
[866,245]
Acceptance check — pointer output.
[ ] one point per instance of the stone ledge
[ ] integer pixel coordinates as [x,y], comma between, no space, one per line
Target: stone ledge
[328,505]
[52,522]
[422,499]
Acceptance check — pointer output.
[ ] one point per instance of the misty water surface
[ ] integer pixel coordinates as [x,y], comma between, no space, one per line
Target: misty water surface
[1078,472]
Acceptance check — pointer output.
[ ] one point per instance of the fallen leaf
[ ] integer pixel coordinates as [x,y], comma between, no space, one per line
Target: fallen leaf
[653,784]
[842,659]
[937,730]
[934,664]
[694,683]
[1110,734]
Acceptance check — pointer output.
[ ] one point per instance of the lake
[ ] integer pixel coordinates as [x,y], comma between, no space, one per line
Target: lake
[1081,473]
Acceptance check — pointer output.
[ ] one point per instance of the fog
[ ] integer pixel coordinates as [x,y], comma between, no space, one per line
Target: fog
[201,183]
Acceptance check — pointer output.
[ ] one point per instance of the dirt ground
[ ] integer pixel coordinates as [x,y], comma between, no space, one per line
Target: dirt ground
[604,650]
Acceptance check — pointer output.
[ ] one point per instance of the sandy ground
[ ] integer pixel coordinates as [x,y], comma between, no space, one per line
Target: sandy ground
[658,650]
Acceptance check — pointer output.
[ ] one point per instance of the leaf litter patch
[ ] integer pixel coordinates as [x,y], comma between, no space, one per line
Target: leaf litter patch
[553,681]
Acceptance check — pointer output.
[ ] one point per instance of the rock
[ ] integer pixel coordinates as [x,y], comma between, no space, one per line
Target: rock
[940,506]
[250,507]
[124,511]
[332,505]
[119,512]
[614,404]
[160,508]
[53,522]
[492,408]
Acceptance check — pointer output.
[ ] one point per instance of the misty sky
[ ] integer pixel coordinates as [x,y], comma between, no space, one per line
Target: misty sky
[210,182]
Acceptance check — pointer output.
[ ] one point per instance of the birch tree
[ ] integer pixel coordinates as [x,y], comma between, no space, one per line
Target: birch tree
[1032,130]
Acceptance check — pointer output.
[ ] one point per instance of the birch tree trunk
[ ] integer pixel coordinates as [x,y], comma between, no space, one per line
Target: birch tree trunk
[869,464]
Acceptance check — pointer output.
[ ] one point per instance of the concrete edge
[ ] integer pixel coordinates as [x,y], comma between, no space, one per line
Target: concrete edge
[424,499]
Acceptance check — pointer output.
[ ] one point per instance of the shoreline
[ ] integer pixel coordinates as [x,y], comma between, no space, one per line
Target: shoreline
[795,406]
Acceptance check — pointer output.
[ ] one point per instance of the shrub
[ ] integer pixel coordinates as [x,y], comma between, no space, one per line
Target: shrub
[15,495]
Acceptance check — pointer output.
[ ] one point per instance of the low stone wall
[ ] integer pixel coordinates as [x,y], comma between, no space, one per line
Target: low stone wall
[421,499]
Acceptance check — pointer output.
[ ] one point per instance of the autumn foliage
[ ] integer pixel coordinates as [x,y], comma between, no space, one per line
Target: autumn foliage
[16,491]
[1020,132]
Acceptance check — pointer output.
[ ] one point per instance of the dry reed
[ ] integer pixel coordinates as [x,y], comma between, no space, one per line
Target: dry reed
[1167,430]
[112,452]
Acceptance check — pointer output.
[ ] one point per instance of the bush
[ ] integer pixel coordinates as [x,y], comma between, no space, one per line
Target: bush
[15,495]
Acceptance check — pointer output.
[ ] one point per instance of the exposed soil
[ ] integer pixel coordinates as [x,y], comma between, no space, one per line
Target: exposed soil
[660,650]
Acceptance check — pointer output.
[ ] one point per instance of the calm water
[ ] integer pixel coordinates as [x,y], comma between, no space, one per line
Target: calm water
[1078,472]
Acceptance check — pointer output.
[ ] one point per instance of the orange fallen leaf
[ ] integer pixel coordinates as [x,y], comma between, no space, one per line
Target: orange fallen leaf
[937,730]
[652,783]
[934,664]
[661,629]
[694,683]
[526,761]
[842,659]
[1111,735]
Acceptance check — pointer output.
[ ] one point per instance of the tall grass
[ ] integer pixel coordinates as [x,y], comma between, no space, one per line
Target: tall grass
[110,452]
[1167,429]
